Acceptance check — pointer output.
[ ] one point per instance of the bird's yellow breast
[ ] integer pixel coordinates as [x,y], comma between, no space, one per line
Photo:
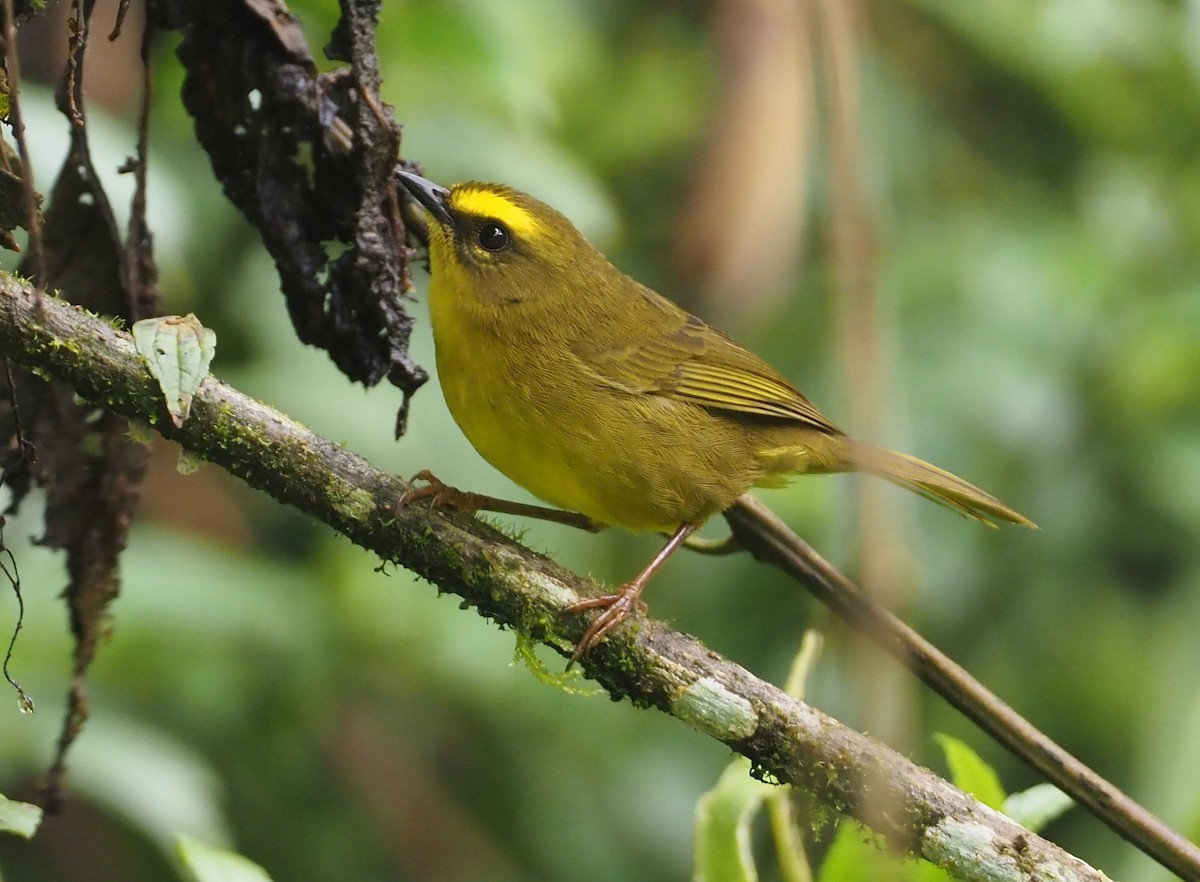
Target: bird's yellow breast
[530,416]
[499,410]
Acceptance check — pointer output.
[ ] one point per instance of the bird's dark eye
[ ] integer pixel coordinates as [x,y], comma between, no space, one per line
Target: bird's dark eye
[493,237]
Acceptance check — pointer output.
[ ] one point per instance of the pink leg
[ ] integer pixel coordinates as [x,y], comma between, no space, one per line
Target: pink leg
[619,606]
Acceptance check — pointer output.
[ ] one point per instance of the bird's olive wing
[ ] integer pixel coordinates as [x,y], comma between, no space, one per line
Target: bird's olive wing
[687,360]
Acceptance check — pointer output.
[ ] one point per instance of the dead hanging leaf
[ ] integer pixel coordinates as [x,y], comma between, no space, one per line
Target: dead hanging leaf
[178,351]
[309,159]
[83,456]
[89,466]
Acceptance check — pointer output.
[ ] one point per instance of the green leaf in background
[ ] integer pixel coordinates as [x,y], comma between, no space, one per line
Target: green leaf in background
[854,857]
[1036,196]
[178,351]
[857,856]
[723,818]
[1038,806]
[206,863]
[971,774]
[20,818]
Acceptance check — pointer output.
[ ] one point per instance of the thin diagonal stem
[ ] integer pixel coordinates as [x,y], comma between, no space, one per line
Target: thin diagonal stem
[765,536]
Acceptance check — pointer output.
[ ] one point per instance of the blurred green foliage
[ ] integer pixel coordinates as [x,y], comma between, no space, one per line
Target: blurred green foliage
[1034,170]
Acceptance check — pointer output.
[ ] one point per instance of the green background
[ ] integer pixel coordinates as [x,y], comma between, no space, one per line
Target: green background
[1032,182]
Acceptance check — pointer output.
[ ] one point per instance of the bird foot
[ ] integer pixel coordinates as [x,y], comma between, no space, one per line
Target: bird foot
[617,608]
[439,494]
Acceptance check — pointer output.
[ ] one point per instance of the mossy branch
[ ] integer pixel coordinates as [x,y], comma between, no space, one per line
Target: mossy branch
[653,666]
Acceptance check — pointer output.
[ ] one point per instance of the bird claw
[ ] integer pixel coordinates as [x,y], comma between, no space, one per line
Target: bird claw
[439,494]
[617,608]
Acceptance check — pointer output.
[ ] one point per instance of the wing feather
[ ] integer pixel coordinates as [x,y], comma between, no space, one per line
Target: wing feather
[678,356]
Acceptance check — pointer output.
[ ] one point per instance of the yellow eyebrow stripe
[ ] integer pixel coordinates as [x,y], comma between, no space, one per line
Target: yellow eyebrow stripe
[484,203]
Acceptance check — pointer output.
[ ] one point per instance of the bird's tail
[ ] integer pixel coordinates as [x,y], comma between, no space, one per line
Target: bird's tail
[931,482]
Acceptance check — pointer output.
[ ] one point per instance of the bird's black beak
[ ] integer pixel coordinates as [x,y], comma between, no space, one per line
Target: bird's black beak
[429,195]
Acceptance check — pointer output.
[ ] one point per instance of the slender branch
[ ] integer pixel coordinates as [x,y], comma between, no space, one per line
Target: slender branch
[770,540]
[785,739]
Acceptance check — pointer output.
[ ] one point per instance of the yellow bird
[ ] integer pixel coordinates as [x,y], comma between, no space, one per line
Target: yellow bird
[602,397]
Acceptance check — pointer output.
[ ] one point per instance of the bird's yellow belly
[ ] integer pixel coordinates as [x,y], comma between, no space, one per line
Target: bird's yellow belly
[506,429]
[529,423]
